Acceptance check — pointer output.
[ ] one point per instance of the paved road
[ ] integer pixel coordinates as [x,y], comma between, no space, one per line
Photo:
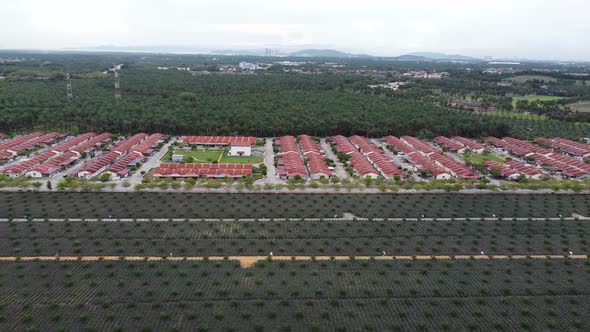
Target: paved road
[269,161]
[151,162]
[397,160]
[69,171]
[339,171]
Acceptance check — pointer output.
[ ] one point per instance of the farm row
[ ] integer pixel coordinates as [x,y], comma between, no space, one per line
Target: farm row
[294,237]
[179,205]
[349,295]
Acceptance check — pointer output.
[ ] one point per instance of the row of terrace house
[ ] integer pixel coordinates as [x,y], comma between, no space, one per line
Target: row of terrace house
[377,157]
[314,157]
[549,160]
[289,161]
[52,160]
[356,160]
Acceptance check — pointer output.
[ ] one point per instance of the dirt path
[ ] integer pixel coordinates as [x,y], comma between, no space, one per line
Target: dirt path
[248,261]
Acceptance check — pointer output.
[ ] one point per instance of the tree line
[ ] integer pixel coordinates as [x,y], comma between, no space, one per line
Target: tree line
[178,103]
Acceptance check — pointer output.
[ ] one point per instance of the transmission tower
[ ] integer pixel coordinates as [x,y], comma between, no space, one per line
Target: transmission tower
[69,86]
[117,85]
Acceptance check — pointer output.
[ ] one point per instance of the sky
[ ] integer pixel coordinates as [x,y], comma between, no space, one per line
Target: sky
[535,29]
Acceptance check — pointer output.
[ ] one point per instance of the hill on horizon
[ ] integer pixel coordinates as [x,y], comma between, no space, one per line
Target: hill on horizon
[442,56]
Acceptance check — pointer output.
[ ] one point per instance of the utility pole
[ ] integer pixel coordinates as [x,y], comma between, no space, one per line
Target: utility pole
[69,86]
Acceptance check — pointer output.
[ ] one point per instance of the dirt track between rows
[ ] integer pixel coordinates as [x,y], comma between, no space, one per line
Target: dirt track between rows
[248,261]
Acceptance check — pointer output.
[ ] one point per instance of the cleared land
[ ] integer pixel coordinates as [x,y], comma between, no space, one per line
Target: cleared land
[581,106]
[529,78]
[208,156]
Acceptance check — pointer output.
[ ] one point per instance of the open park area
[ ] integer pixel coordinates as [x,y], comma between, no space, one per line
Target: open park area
[214,156]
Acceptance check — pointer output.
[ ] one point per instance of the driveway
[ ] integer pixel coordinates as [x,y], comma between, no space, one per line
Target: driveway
[269,162]
[339,171]
[151,162]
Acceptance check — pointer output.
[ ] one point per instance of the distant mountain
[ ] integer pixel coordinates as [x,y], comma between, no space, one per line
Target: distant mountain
[326,53]
[441,56]
[140,49]
[408,57]
[252,52]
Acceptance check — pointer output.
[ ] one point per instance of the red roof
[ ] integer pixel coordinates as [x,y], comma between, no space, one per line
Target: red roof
[398,144]
[203,169]
[357,160]
[314,156]
[421,146]
[471,144]
[146,147]
[384,164]
[568,146]
[240,143]
[289,159]
[13,146]
[92,143]
[217,140]
[451,145]
[106,159]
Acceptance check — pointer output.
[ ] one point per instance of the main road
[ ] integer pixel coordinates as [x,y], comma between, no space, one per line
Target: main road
[151,162]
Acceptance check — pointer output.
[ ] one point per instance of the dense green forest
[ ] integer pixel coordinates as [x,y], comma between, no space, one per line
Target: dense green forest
[32,97]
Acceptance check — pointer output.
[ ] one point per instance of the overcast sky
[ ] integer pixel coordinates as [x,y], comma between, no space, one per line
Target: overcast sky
[556,29]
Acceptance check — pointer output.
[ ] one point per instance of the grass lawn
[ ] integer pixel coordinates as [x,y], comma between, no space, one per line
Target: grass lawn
[201,156]
[532,98]
[516,115]
[583,106]
[241,160]
[207,156]
[480,158]
[528,78]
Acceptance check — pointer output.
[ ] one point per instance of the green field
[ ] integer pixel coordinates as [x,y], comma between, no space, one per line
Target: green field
[208,156]
[516,115]
[583,106]
[480,158]
[202,156]
[528,78]
[534,98]
[241,160]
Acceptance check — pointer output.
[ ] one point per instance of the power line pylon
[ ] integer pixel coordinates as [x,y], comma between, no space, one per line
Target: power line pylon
[69,86]
[117,85]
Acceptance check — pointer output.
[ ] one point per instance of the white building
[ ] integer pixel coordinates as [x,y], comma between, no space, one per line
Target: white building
[248,66]
[240,149]
[177,158]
